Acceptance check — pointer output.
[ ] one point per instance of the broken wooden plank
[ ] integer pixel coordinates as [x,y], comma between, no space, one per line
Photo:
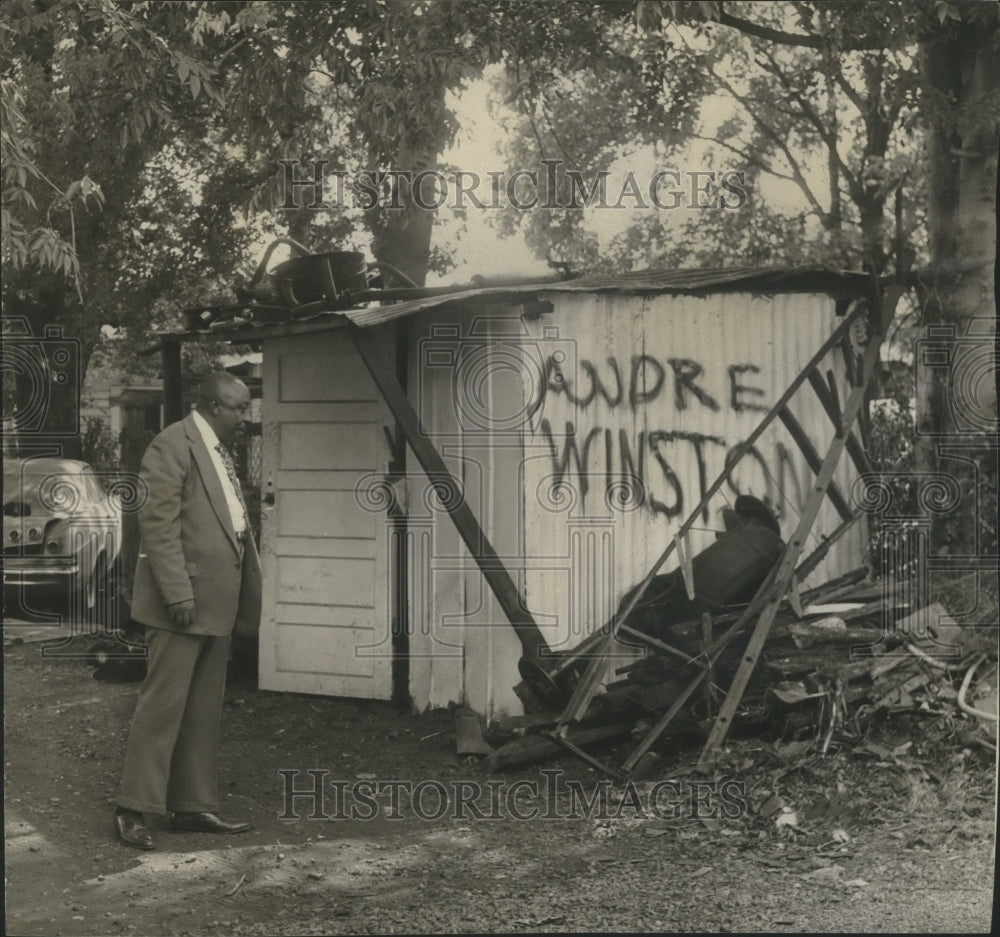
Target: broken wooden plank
[586,687]
[806,662]
[807,634]
[515,725]
[682,546]
[536,747]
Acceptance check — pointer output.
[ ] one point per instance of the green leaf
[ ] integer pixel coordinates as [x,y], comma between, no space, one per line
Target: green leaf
[947,11]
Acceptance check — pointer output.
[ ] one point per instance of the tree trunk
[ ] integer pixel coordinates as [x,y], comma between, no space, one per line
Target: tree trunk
[402,236]
[401,229]
[955,362]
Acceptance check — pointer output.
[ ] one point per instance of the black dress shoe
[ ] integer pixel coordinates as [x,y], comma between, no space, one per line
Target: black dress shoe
[130,827]
[204,823]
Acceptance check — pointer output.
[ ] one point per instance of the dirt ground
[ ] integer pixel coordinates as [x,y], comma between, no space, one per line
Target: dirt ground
[890,832]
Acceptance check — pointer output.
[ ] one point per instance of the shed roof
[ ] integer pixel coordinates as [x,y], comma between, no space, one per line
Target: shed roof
[702,282]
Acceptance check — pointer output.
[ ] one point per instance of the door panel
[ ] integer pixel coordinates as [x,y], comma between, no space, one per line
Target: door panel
[325,624]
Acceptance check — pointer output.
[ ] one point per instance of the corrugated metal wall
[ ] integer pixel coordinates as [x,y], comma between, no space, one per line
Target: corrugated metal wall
[584,439]
[469,395]
[634,460]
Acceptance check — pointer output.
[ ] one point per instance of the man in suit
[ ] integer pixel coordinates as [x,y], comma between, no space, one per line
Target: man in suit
[198,578]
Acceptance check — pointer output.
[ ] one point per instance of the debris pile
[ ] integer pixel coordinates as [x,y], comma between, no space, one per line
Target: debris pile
[834,657]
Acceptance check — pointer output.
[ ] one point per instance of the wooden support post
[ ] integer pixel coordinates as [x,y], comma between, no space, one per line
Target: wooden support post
[173,396]
[791,554]
[491,566]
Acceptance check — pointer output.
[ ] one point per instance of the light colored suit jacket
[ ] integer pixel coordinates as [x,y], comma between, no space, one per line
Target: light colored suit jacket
[189,548]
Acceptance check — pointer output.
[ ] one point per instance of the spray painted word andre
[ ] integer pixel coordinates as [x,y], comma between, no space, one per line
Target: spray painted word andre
[644,380]
[654,466]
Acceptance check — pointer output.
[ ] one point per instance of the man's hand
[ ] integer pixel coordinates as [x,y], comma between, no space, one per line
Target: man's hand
[182,613]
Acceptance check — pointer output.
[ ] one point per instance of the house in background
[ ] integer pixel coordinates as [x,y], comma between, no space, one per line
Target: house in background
[131,406]
[124,403]
[578,423]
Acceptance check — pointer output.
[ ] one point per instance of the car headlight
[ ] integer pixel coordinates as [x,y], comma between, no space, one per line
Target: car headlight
[14,536]
[54,546]
[34,534]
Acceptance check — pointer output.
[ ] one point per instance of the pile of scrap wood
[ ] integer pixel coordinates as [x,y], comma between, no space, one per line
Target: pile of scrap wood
[846,650]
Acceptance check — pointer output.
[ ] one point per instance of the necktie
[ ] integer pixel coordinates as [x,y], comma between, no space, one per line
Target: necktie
[227,461]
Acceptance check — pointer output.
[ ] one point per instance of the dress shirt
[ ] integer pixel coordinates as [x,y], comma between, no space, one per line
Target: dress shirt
[236,511]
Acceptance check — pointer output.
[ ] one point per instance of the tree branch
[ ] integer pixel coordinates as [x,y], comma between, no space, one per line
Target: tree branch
[828,136]
[802,40]
[850,91]
[749,157]
[770,133]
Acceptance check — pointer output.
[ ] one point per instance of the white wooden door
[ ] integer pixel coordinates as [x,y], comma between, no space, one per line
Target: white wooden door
[325,623]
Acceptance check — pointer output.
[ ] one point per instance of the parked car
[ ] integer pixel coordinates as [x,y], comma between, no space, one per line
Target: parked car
[62,539]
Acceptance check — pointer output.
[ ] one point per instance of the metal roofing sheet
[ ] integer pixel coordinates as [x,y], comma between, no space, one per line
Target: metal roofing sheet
[734,279]
[755,280]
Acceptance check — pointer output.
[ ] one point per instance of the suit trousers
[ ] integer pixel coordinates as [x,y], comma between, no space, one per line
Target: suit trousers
[172,757]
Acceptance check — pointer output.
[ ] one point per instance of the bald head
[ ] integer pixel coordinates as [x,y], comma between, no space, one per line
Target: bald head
[223,400]
[215,383]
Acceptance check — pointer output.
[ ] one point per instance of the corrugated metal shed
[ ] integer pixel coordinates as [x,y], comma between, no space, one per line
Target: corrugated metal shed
[581,475]
[581,433]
